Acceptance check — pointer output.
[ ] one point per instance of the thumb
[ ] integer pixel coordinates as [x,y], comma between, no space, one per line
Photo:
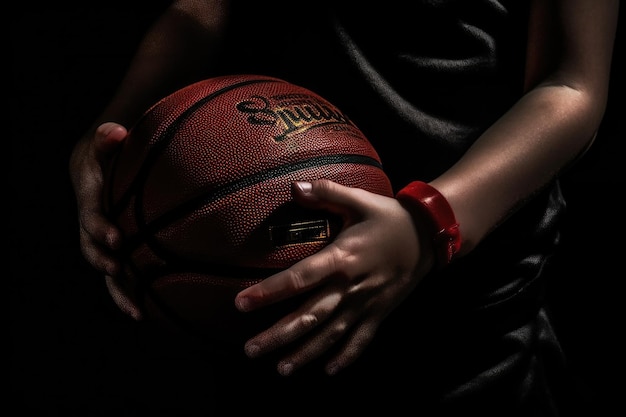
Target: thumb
[325,194]
[108,137]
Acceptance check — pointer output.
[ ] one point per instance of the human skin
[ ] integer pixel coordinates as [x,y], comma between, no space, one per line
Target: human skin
[383,252]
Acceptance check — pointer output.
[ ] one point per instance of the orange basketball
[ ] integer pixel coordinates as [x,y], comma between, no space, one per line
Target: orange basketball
[201,191]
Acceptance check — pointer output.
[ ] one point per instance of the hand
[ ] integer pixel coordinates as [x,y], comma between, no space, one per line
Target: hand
[99,238]
[354,282]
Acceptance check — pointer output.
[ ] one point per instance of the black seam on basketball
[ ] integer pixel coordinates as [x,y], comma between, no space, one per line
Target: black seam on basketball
[160,144]
[176,264]
[235,274]
[144,288]
[146,230]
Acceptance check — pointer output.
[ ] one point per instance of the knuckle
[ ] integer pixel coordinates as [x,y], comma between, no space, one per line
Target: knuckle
[323,186]
[336,332]
[339,260]
[296,279]
[308,321]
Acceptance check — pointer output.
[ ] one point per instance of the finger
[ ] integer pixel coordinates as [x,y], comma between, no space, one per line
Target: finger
[108,137]
[99,256]
[330,335]
[295,325]
[98,227]
[302,276]
[327,195]
[87,175]
[120,298]
[100,240]
[358,340]
[314,269]
[340,330]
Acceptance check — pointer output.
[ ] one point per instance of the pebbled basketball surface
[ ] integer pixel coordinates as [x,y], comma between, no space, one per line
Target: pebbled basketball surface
[201,191]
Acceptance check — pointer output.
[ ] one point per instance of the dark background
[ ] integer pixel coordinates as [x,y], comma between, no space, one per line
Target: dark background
[66,61]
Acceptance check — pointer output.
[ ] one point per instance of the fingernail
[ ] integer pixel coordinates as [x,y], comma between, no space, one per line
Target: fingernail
[285,368]
[332,369]
[252,350]
[305,187]
[109,127]
[136,315]
[242,304]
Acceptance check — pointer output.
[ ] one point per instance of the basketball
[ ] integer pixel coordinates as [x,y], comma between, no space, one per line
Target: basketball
[201,189]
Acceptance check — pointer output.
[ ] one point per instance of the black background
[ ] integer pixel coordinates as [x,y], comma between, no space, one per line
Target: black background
[66,61]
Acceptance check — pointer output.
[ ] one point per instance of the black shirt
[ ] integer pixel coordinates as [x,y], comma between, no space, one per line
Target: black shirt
[422,80]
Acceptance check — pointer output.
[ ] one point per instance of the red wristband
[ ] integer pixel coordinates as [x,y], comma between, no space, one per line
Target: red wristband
[431,203]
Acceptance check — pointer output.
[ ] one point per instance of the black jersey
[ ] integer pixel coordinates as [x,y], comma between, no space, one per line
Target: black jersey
[423,80]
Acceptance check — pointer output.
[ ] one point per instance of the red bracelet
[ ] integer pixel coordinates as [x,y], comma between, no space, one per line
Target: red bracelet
[431,203]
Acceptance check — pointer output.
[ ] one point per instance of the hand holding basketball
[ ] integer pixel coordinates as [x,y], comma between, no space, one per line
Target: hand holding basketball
[350,286]
[201,191]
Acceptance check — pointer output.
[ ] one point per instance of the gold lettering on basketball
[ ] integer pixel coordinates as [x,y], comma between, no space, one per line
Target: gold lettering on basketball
[294,112]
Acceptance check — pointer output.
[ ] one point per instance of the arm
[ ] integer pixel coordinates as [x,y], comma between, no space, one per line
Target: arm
[174,52]
[548,128]
[380,256]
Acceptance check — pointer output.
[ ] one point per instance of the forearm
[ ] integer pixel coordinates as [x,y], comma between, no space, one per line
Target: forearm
[176,51]
[531,144]
[569,55]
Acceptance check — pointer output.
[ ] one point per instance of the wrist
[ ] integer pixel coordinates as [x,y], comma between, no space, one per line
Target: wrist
[437,214]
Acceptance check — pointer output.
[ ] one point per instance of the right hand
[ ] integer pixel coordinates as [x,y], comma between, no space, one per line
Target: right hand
[99,238]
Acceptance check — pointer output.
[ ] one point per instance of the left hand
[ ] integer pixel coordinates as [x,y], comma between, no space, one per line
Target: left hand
[354,282]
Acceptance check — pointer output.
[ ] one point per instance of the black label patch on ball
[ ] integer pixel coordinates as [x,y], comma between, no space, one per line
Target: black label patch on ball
[300,232]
